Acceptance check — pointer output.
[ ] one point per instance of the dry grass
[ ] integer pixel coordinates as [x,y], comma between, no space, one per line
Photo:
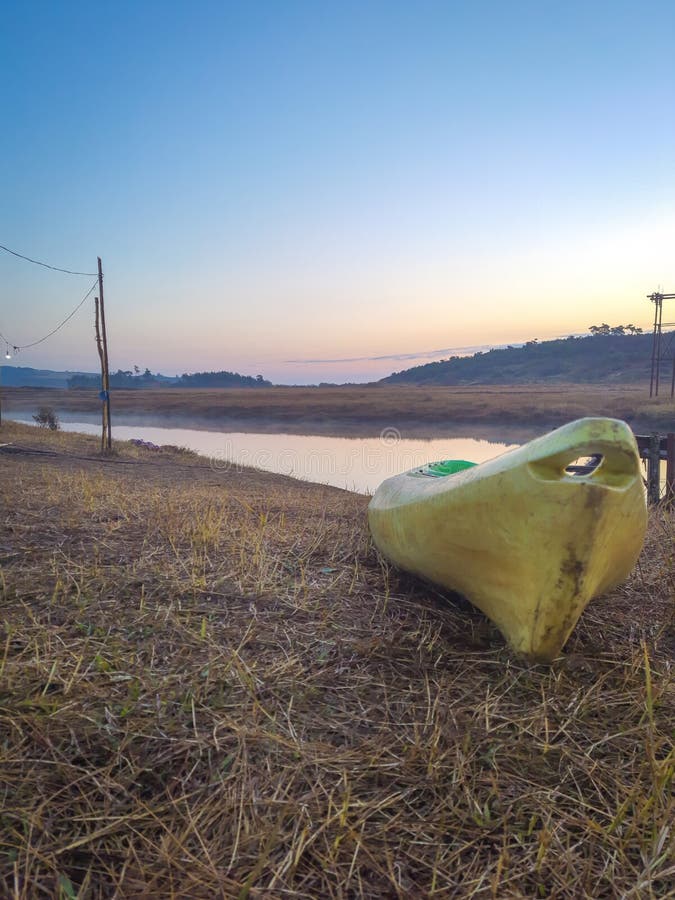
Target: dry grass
[210,686]
[366,409]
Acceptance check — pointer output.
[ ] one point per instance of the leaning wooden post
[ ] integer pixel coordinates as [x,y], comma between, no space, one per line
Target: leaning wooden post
[653,469]
[106,371]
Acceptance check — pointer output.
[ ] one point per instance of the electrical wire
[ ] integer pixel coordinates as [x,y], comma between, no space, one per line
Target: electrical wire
[58,327]
[44,265]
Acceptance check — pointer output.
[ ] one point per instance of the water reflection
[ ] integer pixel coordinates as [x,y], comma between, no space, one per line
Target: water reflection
[358,464]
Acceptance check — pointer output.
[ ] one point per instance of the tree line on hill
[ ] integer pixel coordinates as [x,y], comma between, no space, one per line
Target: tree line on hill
[221,379]
[136,380]
[605,329]
[127,379]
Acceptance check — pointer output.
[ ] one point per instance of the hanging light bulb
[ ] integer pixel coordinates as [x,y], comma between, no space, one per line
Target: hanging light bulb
[8,355]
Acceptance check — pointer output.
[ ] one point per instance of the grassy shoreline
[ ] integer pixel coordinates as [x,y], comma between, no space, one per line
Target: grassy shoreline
[211,686]
[365,410]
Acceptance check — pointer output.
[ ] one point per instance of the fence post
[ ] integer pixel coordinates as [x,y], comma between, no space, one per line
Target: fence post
[653,467]
[670,466]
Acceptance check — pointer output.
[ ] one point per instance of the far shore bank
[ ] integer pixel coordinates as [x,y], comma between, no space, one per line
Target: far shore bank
[517,412]
[497,431]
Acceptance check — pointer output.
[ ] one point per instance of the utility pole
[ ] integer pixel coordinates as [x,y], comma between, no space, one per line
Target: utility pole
[99,347]
[106,371]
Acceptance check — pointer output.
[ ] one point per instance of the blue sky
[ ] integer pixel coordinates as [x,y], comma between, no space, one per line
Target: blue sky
[273,182]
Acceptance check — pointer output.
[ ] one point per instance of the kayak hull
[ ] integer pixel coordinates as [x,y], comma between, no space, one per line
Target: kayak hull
[525,541]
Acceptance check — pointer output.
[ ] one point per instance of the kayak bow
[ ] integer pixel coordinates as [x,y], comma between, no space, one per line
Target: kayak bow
[526,540]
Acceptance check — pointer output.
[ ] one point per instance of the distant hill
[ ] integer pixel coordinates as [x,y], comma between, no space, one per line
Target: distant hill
[24,376]
[593,359]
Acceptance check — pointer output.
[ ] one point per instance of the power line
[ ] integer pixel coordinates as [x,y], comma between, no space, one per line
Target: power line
[58,327]
[44,265]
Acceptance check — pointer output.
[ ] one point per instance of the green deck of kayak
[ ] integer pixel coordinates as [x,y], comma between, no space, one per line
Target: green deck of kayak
[447,467]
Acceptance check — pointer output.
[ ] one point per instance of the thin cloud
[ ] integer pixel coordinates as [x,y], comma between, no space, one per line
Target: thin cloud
[398,357]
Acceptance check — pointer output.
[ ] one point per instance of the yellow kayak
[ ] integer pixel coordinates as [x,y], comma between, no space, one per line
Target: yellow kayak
[526,539]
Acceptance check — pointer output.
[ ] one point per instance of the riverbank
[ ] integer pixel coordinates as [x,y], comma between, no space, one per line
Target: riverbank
[519,411]
[212,686]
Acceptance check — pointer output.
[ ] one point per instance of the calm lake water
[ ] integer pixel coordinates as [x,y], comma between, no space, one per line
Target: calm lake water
[358,464]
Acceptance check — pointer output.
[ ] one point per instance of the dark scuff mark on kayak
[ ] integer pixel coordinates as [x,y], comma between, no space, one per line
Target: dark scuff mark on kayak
[572,569]
[595,497]
[572,572]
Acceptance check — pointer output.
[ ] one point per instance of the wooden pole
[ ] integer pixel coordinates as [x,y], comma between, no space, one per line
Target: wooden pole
[656,319]
[106,370]
[99,347]
[658,348]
